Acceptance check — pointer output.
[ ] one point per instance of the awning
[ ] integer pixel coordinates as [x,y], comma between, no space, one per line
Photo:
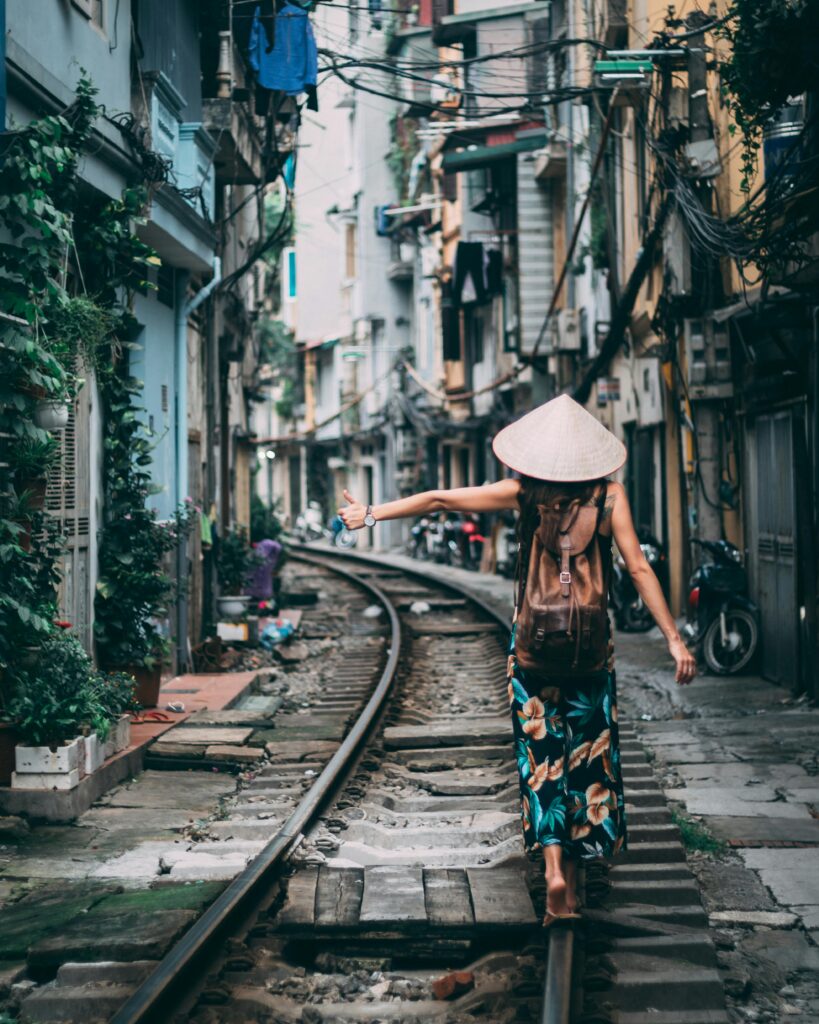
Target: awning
[481,156]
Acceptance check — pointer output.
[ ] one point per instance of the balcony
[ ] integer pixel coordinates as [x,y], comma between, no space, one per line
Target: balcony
[402,261]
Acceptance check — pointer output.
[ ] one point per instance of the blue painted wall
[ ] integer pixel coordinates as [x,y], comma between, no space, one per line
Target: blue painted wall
[153,364]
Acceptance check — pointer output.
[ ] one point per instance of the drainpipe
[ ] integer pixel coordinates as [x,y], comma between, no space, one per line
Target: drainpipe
[183,311]
[2,65]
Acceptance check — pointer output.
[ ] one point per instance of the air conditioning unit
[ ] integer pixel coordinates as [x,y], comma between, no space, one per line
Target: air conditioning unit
[567,330]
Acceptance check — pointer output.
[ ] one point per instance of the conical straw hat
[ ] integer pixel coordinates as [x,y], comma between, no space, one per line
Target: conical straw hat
[560,441]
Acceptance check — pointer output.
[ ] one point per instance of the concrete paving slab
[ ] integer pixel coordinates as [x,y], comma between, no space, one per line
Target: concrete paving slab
[754,918]
[789,950]
[808,914]
[754,829]
[127,936]
[742,774]
[43,912]
[738,802]
[158,790]
[209,734]
[140,864]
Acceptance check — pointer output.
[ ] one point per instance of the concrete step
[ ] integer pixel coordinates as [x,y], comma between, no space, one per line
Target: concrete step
[670,892]
[646,814]
[648,981]
[693,949]
[652,852]
[648,872]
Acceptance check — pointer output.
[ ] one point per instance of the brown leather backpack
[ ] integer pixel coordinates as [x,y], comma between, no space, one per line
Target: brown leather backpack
[562,614]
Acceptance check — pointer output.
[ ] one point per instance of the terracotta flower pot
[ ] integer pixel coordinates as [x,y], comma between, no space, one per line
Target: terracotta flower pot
[148,681]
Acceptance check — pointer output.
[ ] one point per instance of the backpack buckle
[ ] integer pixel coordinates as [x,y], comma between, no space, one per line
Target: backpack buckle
[565,577]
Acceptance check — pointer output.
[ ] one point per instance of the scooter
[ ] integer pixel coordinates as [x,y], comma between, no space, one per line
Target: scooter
[342,537]
[630,612]
[507,547]
[310,523]
[418,543]
[473,542]
[723,622]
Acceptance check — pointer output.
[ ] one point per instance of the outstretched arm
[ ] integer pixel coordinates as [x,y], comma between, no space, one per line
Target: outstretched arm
[646,582]
[489,498]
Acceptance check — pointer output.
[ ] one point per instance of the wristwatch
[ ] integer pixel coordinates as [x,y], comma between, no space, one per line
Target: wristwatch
[369,518]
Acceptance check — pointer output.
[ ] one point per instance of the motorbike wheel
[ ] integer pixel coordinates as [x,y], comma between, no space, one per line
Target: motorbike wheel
[636,618]
[744,635]
[345,539]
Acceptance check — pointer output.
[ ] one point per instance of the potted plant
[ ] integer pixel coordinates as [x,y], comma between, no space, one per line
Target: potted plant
[30,460]
[51,706]
[51,413]
[233,563]
[133,593]
[117,695]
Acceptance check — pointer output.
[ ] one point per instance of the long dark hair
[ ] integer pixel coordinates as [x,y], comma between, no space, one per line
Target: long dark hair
[536,492]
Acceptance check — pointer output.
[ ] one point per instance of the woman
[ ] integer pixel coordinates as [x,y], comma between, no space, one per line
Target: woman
[564,719]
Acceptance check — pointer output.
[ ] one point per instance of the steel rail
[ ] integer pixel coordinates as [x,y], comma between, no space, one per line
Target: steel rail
[162,989]
[556,1005]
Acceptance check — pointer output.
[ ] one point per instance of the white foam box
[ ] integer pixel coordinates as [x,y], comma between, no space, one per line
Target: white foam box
[233,631]
[45,780]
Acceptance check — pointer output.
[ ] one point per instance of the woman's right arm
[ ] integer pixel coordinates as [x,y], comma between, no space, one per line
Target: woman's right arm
[646,582]
[488,498]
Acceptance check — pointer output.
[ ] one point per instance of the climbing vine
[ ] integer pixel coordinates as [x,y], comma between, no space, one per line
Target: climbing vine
[771,56]
[68,270]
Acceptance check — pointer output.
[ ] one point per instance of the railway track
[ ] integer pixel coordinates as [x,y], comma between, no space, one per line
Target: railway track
[394,887]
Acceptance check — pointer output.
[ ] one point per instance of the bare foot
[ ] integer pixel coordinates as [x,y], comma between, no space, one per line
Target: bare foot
[556,894]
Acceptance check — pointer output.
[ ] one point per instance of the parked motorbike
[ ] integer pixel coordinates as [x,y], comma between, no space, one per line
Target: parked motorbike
[506,547]
[630,612]
[310,527]
[418,545]
[473,542]
[443,540]
[342,537]
[723,622]
[310,523]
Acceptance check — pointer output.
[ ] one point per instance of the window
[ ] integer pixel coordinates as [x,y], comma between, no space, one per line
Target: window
[92,9]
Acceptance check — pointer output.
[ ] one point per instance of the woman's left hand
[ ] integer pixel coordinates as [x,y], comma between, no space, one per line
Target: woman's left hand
[352,515]
[685,661]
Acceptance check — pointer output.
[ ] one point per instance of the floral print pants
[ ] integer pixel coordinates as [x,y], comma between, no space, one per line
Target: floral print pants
[568,759]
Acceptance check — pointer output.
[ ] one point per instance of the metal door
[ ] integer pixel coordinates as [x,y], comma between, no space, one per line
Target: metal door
[776,547]
[68,498]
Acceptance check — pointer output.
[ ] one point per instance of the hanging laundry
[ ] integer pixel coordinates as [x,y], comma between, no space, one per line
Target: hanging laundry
[494,271]
[469,275]
[291,64]
[450,324]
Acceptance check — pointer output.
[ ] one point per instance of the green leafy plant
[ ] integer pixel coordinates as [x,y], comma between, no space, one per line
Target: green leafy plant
[771,56]
[265,520]
[133,593]
[57,697]
[116,693]
[31,458]
[234,561]
[79,329]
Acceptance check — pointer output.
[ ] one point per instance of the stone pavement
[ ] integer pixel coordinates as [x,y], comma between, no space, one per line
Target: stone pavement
[739,760]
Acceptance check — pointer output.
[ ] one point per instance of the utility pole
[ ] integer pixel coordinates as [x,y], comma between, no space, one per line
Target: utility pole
[705,411]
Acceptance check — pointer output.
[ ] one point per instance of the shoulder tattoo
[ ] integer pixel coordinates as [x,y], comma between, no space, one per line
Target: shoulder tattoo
[608,507]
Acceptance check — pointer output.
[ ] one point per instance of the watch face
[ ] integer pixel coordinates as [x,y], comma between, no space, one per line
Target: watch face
[369,520]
